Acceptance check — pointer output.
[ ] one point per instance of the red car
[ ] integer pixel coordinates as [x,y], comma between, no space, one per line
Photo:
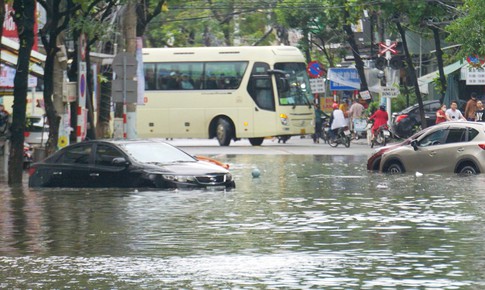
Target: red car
[374,161]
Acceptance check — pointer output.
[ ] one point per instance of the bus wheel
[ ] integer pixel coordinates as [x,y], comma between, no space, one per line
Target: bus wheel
[224,132]
[256,141]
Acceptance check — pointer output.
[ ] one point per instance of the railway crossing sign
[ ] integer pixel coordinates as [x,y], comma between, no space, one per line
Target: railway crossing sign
[384,47]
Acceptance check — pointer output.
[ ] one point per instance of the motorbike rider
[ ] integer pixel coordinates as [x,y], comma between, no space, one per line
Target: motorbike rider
[380,118]
[337,120]
[318,123]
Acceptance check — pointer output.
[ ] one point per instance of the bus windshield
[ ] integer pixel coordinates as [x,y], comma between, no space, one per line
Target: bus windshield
[299,92]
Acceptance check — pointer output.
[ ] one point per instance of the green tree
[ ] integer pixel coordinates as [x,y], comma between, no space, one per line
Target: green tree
[311,17]
[58,16]
[212,23]
[468,28]
[418,15]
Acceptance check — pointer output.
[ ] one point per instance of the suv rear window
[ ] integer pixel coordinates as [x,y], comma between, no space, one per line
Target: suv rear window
[472,133]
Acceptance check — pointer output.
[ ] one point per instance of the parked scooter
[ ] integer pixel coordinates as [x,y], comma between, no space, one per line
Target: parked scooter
[343,137]
[325,128]
[405,126]
[381,136]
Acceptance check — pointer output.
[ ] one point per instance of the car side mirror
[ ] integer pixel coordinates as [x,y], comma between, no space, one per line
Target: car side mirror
[120,161]
[414,143]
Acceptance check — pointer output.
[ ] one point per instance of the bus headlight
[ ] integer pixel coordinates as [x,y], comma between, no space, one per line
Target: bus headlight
[284,119]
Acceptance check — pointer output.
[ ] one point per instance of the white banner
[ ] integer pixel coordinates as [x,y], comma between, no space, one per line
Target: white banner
[475,76]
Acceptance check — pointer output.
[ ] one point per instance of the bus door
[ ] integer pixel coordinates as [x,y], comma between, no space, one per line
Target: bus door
[260,88]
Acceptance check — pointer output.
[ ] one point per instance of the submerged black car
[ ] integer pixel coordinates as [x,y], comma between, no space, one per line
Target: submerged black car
[132,164]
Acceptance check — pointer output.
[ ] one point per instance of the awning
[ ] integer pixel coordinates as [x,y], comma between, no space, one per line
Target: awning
[425,80]
[9,56]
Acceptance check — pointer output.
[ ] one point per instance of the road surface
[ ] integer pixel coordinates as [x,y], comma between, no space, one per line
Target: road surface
[295,145]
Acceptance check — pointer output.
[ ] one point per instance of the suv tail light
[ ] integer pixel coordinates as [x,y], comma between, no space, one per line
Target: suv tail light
[482,146]
[399,118]
[32,170]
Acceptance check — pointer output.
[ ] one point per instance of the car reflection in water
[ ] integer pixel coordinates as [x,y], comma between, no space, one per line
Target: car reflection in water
[132,164]
[454,147]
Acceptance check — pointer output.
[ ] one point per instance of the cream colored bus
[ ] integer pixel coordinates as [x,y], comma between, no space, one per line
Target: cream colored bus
[228,93]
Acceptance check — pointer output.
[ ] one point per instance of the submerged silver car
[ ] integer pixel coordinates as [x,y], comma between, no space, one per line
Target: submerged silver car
[455,147]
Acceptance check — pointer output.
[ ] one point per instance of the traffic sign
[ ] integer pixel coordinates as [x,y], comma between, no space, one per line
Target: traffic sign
[317,85]
[124,65]
[124,88]
[82,84]
[389,92]
[365,95]
[315,69]
[82,46]
[383,48]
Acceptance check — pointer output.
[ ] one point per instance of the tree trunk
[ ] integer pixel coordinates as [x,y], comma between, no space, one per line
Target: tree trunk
[359,64]
[24,18]
[102,125]
[52,116]
[412,73]
[439,57]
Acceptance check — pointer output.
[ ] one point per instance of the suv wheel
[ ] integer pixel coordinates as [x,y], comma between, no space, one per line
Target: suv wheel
[468,169]
[394,168]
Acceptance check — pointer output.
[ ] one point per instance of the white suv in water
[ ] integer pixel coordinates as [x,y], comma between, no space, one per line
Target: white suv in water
[455,147]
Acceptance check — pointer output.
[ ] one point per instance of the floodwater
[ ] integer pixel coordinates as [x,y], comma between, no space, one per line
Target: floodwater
[308,222]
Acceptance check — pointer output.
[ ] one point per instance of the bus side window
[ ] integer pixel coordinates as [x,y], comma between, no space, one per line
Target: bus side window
[150,81]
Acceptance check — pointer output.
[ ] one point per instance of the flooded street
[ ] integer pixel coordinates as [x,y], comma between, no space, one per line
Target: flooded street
[308,222]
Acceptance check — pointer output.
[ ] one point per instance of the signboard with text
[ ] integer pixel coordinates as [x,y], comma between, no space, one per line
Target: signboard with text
[344,79]
[475,76]
[317,85]
[389,92]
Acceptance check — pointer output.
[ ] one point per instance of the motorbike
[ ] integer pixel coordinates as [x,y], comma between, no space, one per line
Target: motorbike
[325,128]
[343,136]
[381,136]
[405,125]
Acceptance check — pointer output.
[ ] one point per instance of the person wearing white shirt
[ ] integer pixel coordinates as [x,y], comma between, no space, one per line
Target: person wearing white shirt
[453,114]
[337,120]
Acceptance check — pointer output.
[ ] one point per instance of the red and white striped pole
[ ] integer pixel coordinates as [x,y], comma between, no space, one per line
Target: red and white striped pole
[81,89]
[79,123]
[125,127]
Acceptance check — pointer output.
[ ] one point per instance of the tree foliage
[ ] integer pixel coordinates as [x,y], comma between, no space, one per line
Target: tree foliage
[211,23]
[468,29]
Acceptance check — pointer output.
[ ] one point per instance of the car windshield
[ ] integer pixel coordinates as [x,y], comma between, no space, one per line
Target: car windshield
[157,153]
